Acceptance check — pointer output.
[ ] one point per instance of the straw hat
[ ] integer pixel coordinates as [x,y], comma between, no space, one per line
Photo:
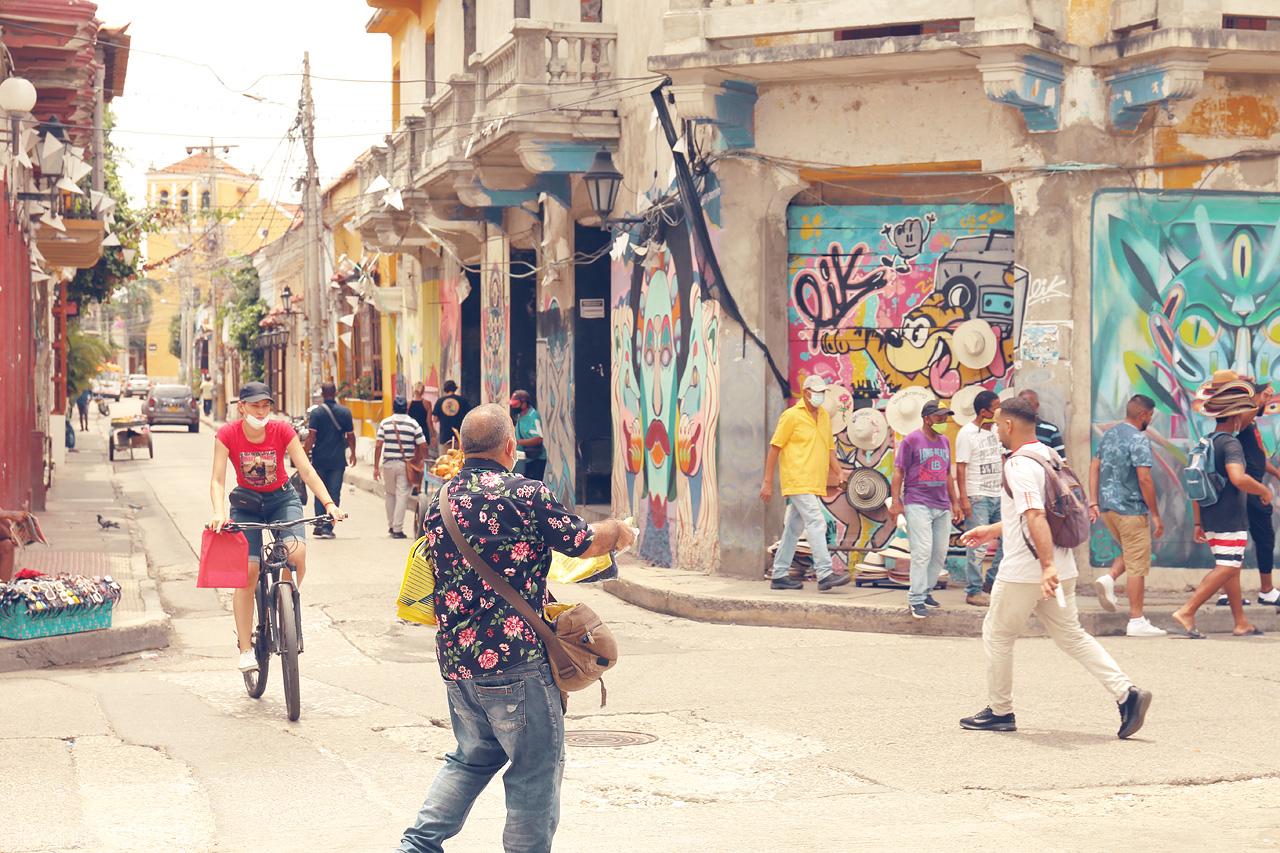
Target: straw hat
[1224,380]
[867,429]
[838,404]
[903,408]
[1230,406]
[974,343]
[867,489]
[962,404]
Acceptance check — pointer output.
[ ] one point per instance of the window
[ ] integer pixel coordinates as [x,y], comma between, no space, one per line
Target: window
[431,67]
[204,200]
[591,11]
[930,29]
[184,202]
[162,198]
[1239,22]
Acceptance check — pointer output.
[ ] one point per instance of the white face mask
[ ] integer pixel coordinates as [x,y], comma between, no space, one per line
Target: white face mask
[256,423]
[816,398]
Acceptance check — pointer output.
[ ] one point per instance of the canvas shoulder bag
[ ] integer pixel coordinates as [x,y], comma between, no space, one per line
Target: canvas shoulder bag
[579,645]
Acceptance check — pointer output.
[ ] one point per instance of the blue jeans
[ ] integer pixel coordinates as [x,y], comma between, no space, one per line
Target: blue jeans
[804,512]
[513,717]
[280,504]
[928,530]
[985,511]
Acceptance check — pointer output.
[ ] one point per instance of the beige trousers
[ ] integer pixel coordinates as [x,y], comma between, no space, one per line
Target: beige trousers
[1011,604]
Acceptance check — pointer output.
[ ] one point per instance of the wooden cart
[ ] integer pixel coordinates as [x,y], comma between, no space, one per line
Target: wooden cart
[129,433]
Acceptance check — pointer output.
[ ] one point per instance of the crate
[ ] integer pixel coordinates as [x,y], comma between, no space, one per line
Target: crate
[17,624]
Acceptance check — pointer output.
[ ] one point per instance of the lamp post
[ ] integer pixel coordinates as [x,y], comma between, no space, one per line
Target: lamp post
[603,180]
[17,95]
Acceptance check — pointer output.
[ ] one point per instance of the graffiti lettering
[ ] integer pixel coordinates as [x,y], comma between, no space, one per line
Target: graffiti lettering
[829,293]
[1044,289]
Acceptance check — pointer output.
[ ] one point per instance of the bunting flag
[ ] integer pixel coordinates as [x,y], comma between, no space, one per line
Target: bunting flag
[377,185]
[347,319]
[345,337]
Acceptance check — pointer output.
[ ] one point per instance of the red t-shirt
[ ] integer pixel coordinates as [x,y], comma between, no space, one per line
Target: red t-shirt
[260,466]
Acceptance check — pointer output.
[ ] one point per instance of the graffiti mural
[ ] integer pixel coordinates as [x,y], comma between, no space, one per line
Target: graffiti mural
[1183,285]
[876,294]
[665,388]
[556,400]
[495,307]
[451,284]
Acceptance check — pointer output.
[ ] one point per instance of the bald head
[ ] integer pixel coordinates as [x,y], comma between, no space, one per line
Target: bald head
[1031,397]
[486,430]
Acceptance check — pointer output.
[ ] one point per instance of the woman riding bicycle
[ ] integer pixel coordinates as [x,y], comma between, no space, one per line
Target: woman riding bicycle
[257,445]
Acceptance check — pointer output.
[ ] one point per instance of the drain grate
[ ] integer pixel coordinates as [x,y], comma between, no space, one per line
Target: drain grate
[604,738]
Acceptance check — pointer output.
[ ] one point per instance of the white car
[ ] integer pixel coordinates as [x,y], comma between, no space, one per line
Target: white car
[137,383]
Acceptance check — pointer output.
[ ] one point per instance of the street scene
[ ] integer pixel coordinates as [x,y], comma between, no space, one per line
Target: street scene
[587,424]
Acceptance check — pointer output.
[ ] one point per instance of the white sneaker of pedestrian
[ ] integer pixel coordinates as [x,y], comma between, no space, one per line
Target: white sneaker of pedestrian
[1105,587]
[248,661]
[1272,598]
[1140,627]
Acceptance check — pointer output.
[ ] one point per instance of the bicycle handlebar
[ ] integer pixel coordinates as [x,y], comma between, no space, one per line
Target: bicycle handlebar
[234,526]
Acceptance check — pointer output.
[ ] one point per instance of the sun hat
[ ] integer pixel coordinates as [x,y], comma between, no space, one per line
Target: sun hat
[962,403]
[867,489]
[903,408]
[867,429]
[974,343]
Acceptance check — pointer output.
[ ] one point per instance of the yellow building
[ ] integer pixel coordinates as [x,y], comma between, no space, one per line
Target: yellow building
[217,216]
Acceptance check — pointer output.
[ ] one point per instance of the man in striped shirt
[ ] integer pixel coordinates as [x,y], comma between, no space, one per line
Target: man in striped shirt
[1046,433]
[400,441]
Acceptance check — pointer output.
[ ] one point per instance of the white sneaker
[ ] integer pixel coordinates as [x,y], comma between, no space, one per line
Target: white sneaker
[1142,628]
[1105,587]
[1272,598]
[248,661]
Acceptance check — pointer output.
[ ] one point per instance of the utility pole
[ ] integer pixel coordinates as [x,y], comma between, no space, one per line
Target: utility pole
[213,241]
[313,263]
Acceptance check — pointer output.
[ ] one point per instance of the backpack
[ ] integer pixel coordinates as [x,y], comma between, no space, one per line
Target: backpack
[1200,479]
[1066,507]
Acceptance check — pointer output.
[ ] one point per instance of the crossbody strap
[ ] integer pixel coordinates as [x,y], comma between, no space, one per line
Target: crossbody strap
[328,411]
[395,426]
[1022,523]
[485,571]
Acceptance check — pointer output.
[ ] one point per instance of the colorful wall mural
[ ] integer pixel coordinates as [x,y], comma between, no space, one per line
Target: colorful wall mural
[1183,285]
[495,319]
[875,295]
[665,389]
[556,400]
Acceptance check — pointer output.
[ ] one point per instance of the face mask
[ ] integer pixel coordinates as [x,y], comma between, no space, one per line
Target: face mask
[937,428]
[816,398]
[256,423]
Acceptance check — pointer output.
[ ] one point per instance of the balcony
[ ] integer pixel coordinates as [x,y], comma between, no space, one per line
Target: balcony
[533,110]
[76,240]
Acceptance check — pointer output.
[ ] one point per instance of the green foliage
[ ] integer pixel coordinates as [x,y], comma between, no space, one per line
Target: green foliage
[175,336]
[363,389]
[243,312]
[84,353]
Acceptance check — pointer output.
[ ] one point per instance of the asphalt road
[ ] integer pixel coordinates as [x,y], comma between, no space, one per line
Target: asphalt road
[777,739]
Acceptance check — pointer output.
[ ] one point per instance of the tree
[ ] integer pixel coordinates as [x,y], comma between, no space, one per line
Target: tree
[84,353]
[243,312]
[175,335]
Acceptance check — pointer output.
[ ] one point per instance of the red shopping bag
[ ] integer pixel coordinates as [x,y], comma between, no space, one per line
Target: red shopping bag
[224,561]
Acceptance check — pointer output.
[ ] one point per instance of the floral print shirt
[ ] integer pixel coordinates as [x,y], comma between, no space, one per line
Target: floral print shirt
[514,523]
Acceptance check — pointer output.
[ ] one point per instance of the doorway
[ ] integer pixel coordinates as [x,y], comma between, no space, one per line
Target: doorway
[523,338]
[591,368]
[469,348]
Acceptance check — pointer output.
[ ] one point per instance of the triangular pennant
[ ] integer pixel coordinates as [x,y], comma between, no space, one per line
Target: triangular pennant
[394,198]
[128,255]
[347,319]
[345,337]
[111,240]
[53,221]
[353,301]
[69,186]
[377,185]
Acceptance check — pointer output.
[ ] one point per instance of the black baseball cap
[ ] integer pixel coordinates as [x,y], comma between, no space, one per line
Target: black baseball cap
[253,392]
[933,407]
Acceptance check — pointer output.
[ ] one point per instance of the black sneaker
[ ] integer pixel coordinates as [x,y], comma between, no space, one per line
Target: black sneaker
[786,583]
[1133,711]
[929,602]
[396,534]
[832,580]
[985,721]
[918,611]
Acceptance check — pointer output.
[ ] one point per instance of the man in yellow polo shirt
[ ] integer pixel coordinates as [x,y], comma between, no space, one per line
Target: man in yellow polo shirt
[804,443]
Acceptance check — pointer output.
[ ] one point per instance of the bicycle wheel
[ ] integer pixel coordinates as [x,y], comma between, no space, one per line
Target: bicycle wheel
[287,626]
[256,682]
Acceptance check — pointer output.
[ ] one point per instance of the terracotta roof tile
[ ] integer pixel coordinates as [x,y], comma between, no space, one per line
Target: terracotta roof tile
[198,164]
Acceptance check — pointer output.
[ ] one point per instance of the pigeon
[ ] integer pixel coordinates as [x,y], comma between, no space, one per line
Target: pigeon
[135,507]
[106,523]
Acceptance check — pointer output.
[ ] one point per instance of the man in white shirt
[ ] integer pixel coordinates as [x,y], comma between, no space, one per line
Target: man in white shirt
[400,442]
[978,460]
[1033,571]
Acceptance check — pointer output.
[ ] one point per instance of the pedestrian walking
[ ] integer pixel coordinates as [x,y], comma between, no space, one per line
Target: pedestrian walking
[331,444]
[1123,494]
[1224,524]
[421,412]
[1261,529]
[978,460]
[448,412]
[82,406]
[206,394]
[529,434]
[1036,576]
[400,442]
[805,447]
[924,491]
[504,705]
[1046,433]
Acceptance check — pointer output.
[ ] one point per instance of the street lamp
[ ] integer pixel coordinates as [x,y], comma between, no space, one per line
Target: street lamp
[17,95]
[286,299]
[603,181]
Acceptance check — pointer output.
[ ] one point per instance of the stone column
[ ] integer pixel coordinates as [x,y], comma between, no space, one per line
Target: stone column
[495,318]
[557,399]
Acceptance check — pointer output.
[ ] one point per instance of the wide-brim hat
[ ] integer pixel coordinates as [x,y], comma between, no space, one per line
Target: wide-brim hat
[903,408]
[962,404]
[867,489]
[1224,380]
[867,429]
[973,343]
[838,404]
[1229,408]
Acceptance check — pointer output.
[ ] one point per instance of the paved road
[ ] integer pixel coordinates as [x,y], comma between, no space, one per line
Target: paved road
[778,739]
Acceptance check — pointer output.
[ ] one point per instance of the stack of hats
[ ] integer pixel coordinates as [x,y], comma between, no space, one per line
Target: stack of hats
[872,567]
[1228,394]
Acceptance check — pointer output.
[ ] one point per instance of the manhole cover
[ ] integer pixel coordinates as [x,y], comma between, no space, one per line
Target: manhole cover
[603,737]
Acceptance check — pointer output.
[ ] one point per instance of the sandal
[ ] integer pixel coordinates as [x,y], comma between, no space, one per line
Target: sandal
[1252,632]
[1176,630]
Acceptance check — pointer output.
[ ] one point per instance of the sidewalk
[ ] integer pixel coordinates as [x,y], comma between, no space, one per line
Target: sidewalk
[83,488]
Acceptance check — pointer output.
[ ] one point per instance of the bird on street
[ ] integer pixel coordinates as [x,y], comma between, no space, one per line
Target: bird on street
[106,523]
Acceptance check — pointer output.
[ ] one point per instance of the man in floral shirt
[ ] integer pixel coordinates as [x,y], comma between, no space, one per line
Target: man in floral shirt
[503,702]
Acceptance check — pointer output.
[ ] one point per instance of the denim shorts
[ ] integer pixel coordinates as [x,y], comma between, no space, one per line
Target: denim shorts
[280,504]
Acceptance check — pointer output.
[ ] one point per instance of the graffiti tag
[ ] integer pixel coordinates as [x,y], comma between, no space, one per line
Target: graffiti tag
[829,293]
[1044,289]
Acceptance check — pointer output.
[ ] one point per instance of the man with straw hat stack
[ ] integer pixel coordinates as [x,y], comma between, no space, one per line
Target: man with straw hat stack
[1224,524]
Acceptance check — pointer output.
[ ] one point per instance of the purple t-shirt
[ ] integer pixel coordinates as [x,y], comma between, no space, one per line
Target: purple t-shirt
[925,464]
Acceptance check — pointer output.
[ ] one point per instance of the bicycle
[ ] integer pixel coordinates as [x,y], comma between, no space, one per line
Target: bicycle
[279,614]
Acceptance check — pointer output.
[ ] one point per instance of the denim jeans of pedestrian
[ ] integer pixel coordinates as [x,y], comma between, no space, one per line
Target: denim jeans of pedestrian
[986,510]
[928,529]
[280,504]
[332,478]
[513,718]
[804,512]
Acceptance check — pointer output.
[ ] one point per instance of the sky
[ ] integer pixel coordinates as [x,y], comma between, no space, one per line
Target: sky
[171,100]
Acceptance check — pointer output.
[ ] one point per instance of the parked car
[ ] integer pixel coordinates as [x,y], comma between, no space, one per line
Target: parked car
[107,383]
[173,404]
[137,383]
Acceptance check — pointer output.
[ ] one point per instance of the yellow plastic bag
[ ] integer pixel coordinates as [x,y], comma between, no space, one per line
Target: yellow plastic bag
[573,569]
[416,602]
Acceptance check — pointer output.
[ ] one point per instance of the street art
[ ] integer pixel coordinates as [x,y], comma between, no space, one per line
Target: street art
[1183,285]
[665,389]
[875,295]
[556,401]
[496,309]
[450,327]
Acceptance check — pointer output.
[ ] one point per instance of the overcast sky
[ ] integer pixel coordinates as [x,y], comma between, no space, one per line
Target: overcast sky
[170,103]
